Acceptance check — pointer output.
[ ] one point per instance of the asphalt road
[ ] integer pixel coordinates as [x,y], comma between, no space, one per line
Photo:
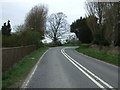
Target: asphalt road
[63,67]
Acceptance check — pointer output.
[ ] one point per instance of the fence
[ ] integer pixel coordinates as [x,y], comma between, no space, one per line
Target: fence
[12,55]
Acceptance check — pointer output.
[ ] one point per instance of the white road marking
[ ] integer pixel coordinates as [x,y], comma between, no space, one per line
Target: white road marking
[91,73]
[98,60]
[83,69]
[32,73]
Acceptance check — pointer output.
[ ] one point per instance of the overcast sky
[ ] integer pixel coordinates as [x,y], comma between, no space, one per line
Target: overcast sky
[16,10]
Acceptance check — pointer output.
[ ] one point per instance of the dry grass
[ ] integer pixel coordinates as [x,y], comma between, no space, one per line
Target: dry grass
[107,49]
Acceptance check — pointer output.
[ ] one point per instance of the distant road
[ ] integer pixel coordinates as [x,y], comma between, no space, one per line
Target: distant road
[63,67]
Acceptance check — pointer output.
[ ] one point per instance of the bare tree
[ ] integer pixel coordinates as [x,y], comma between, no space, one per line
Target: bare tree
[111,22]
[57,26]
[108,16]
[93,25]
[96,10]
[36,19]
[20,28]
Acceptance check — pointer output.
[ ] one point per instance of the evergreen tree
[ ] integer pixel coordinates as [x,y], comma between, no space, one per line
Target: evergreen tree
[9,27]
[82,31]
[6,29]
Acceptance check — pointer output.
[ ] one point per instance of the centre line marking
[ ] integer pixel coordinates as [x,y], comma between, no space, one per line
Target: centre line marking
[86,71]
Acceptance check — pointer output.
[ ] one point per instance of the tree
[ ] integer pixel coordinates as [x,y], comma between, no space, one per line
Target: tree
[20,28]
[6,29]
[36,19]
[112,17]
[93,25]
[82,31]
[105,29]
[96,10]
[57,26]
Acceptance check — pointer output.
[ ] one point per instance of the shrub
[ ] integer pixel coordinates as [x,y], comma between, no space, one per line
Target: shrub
[25,38]
[10,41]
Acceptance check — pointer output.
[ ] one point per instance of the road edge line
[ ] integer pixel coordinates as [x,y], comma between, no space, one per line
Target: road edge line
[79,65]
[105,83]
[27,80]
[88,76]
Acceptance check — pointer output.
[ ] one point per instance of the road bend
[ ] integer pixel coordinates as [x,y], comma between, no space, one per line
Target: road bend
[64,67]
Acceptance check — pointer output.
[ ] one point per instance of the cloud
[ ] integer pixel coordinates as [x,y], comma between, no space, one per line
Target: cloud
[16,10]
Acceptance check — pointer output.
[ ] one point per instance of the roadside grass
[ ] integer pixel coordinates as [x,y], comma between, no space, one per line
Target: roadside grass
[70,45]
[21,69]
[99,54]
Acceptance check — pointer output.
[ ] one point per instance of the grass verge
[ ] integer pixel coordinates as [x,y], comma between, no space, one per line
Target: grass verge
[21,69]
[101,54]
